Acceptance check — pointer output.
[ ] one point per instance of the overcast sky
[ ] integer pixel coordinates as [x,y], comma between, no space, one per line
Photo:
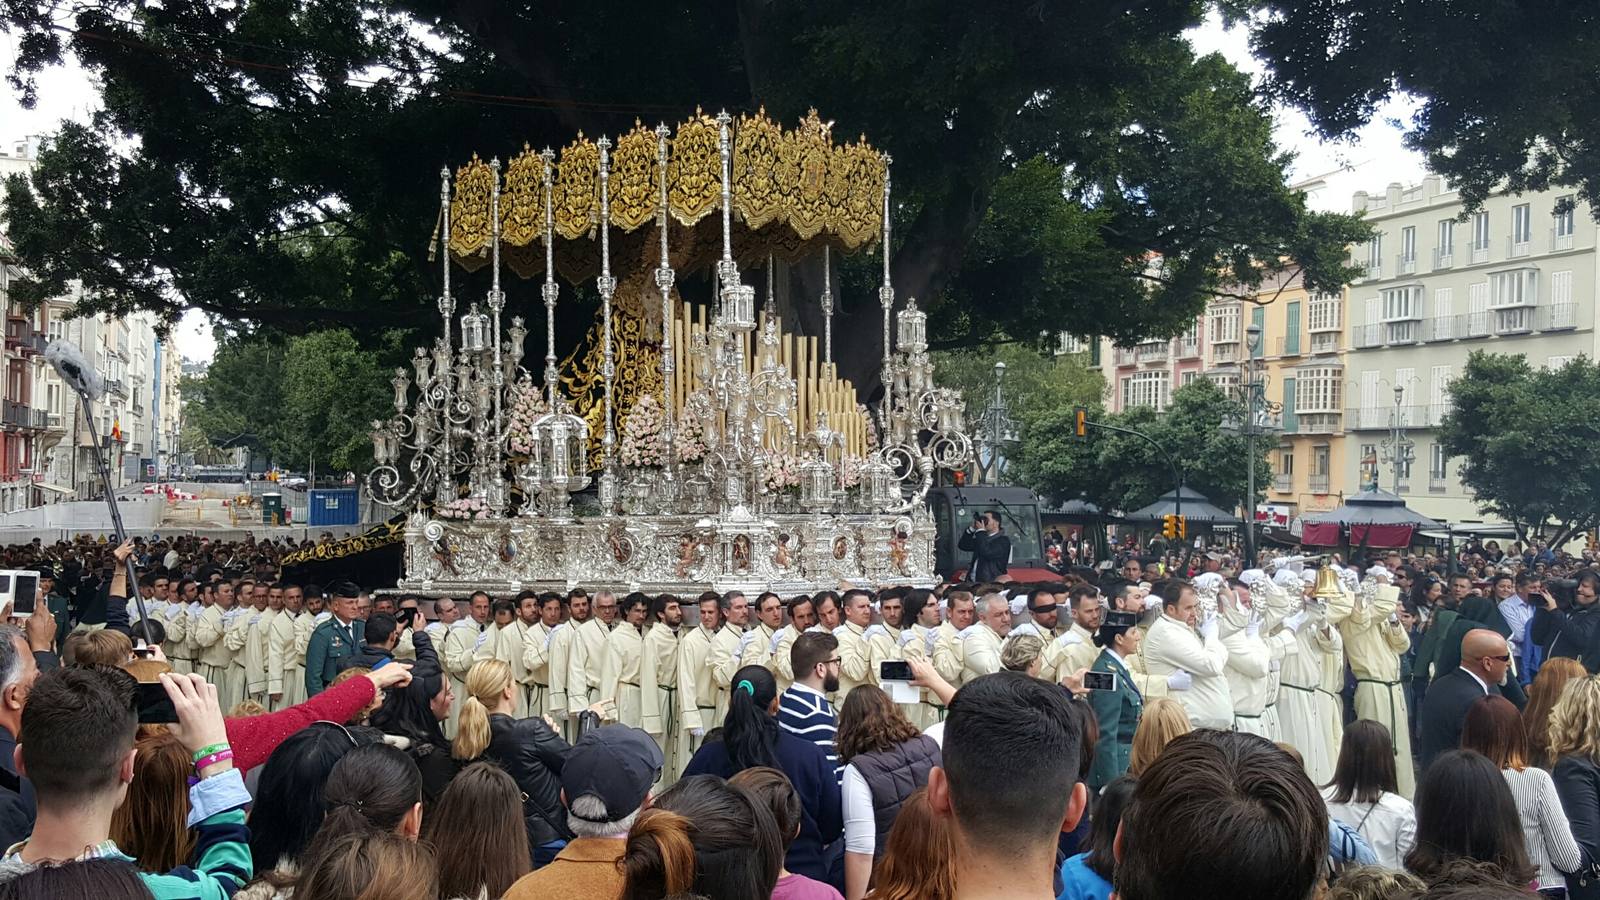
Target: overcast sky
[1371,161]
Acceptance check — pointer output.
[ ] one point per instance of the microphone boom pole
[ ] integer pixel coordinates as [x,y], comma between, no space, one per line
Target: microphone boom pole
[74,369]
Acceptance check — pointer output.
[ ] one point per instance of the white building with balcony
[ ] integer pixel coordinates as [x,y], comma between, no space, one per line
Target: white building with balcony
[1517,276]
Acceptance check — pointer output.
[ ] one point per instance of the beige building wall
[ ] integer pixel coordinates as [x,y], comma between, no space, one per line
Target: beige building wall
[1516,277]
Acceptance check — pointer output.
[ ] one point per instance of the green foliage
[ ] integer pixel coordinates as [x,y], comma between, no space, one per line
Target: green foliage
[1526,439]
[1480,129]
[301,400]
[1034,381]
[277,162]
[1123,472]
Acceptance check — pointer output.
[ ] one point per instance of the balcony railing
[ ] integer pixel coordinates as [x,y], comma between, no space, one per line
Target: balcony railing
[1318,422]
[1288,345]
[1153,352]
[1559,241]
[1283,484]
[1480,254]
[1437,484]
[1381,418]
[1516,248]
[1188,350]
[1405,265]
[1444,258]
[1364,336]
[1325,342]
[1318,484]
[1558,316]
[1224,353]
[18,415]
[117,386]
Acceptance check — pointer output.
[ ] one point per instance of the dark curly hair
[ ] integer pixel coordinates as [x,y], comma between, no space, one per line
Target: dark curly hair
[869,722]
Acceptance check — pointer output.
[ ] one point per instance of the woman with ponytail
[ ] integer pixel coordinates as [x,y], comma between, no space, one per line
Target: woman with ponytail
[751,738]
[530,751]
[705,838]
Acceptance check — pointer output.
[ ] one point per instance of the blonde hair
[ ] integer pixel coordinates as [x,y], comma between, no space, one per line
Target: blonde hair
[246,709]
[1164,719]
[1375,883]
[1546,689]
[104,648]
[1020,652]
[1575,721]
[487,681]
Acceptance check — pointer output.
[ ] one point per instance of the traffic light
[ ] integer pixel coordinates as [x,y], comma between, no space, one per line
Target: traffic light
[1183,527]
[1080,421]
[1169,527]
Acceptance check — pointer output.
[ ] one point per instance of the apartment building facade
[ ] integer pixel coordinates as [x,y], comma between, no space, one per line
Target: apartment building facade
[1517,276]
[46,453]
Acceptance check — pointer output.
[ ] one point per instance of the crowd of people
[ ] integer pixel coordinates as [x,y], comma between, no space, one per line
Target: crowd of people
[1292,730]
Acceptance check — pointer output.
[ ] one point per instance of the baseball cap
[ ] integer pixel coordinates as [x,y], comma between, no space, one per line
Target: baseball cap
[614,763]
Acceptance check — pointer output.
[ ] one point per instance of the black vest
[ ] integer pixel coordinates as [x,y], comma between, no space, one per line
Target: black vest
[893,776]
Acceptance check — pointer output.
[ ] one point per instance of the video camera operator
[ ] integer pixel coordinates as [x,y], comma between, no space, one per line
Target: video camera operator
[1572,630]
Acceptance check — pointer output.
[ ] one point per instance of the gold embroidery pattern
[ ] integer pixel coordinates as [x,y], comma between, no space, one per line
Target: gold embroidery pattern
[380,535]
[808,154]
[521,198]
[755,160]
[470,232]
[694,169]
[577,189]
[633,179]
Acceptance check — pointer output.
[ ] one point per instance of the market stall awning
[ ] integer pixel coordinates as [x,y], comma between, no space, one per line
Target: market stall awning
[1196,508]
[1374,517]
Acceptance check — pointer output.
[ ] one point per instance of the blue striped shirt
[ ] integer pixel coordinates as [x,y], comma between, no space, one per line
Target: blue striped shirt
[806,713]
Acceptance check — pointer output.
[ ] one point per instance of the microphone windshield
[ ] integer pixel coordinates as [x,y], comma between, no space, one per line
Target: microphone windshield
[74,368]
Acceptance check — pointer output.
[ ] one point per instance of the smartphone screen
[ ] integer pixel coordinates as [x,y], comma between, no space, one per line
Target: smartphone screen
[1100,681]
[155,706]
[894,670]
[25,586]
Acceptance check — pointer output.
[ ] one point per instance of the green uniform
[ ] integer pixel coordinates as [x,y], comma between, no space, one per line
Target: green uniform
[331,642]
[1118,712]
[57,605]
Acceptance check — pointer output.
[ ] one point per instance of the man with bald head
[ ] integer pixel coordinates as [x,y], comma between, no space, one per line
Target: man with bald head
[1485,660]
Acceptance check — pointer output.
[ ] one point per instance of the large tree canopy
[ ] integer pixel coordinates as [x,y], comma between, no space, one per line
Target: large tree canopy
[1506,88]
[1057,166]
[1536,468]
[1123,472]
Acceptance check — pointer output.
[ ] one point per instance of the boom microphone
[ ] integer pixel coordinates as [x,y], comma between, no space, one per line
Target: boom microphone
[74,368]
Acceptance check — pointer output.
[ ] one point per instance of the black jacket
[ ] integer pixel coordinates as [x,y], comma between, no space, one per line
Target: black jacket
[991,554]
[17,806]
[1578,785]
[1571,633]
[533,755]
[1444,710]
[368,657]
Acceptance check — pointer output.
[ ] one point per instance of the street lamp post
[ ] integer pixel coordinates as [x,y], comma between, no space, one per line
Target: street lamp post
[997,432]
[1254,421]
[1398,450]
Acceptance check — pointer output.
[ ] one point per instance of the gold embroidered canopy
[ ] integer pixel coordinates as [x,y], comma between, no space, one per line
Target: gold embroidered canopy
[793,191]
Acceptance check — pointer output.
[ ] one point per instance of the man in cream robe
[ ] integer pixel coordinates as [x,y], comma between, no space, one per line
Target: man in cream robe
[281,659]
[1373,642]
[1172,644]
[947,651]
[1300,708]
[174,618]
[258,652]
[1250,673]
[213,658]
[855,657]
[536,619]
[235,636]
[586,660]
[619,676]
[727,649]
[981,643]
[659,686]
[763,637]
[1043,606]
[456,653]
[697,684]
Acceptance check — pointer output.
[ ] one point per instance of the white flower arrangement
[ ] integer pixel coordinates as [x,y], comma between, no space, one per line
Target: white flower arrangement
[642,446]
[527,405]
[464,509]
[783,474]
